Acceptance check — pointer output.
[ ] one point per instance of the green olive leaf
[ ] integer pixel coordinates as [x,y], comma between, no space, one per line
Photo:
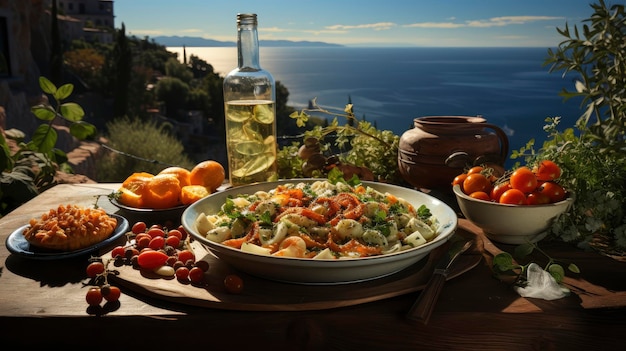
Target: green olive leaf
[60,156]
[44,113]
[573,268]
[43,139]
[557,272]
[64,92]
[72,111]
[47,86]
[523,250]
[82,130]
[503,262]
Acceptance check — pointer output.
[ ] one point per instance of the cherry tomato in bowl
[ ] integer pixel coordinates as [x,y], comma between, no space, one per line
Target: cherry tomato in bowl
[511,223]
[547,170]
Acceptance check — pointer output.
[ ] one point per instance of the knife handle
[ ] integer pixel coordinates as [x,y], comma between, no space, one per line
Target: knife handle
[425,304]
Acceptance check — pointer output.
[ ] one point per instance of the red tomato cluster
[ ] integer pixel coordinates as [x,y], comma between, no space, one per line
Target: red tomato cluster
[163,251]
[521,187]
[166,252]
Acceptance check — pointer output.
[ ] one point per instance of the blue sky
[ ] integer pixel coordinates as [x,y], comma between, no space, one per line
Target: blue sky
[363,22]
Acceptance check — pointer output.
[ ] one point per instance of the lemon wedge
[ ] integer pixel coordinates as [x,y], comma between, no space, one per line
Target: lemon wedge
[258,164]
[250,148]
[264,113]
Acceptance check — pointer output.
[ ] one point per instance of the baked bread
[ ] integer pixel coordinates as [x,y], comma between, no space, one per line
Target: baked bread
[69,228]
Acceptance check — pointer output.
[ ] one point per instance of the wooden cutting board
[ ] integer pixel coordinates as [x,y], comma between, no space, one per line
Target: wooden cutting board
[265,295]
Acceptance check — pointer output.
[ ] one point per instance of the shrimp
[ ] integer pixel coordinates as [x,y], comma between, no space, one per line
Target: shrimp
[292,246]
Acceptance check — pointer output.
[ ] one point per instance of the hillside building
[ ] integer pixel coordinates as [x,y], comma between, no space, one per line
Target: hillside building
[95,17]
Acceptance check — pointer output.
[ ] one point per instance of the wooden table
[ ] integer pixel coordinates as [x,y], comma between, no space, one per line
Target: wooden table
[42,303]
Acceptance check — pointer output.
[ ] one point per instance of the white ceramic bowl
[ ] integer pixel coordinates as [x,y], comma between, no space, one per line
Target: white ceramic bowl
[511,224]
[308,271]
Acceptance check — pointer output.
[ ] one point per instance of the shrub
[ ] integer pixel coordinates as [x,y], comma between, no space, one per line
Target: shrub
[140,147]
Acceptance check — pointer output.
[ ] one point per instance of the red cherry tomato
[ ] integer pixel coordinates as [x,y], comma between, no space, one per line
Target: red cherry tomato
[139,227]
[182,230]
[537,198]
[172,241]
[524,180]
[475,169]
[476,182]
[498,190]
[513,197]
[157,243]
[458,180]
[196,274]
[113,294]
[186,255]
[233,284]
[182,273]
[547,170]
[95,268]
[151,259]
[480,195]
[142,241]
[93,296]
[553,191]
[118,251]
[176,233]
[156,231]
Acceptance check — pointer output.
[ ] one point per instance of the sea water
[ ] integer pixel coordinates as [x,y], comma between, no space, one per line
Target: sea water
[510,87]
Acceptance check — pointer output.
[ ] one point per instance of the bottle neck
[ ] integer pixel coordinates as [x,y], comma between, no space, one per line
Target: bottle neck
[247,41]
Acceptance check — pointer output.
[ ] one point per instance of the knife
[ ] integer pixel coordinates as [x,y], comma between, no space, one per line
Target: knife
[425,304]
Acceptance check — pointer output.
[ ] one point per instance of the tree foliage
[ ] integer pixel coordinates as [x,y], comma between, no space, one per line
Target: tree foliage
[591,154]
[598,57]
[87,63]
[173,92]
[144,146]
[122,66]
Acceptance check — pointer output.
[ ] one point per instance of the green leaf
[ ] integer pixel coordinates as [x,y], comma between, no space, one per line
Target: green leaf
[557,272]
[335,176]
[72,111]
[64,92]
[60,156]
[524,250]
[82,130]
[573,268]
[504,262]
[44,113]
[47,86]
[44,139]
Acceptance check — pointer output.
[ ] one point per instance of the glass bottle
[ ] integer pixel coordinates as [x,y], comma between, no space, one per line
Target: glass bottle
[250,111]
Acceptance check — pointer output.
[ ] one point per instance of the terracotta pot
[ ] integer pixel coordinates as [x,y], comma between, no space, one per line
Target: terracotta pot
[438,149]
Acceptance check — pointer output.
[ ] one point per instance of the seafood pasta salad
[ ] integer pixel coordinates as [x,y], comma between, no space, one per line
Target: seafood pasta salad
[319,220]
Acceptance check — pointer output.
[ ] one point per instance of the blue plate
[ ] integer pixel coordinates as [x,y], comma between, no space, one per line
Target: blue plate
[17,244]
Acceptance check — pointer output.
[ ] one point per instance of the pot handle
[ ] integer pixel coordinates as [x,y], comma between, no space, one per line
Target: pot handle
[504,141]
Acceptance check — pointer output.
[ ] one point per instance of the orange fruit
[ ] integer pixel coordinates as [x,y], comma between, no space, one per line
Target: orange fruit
[136,181]
[129,198]
[162,191]
[209,174]
[181,173]
[192,193]
[132,189]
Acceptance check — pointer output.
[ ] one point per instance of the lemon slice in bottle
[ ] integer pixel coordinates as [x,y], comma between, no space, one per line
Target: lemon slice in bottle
[264,113]
[250,148]
[258,164]
[238,112]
